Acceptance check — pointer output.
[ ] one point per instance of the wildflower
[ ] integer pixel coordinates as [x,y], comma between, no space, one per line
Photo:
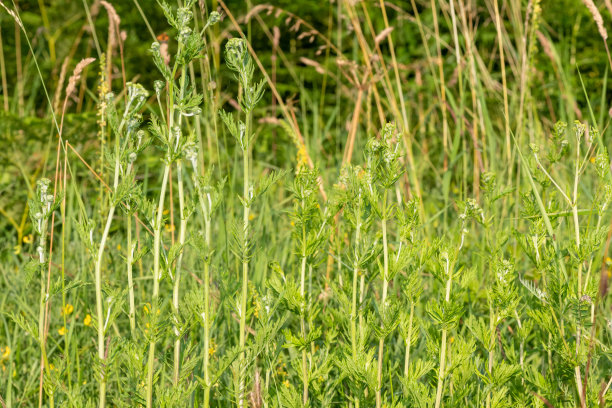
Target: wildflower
[212,349]
[61,331]
[146,308]
[67,310]
[256,308]
[302,156]
[251,217]
[118,247]
[28,239]
[5,352]
[286,383]
[87,320]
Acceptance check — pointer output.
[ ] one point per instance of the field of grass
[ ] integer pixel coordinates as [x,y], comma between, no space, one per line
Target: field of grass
[228,203]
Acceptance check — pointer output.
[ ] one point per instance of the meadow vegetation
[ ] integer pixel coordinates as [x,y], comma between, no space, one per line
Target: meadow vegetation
[305,204]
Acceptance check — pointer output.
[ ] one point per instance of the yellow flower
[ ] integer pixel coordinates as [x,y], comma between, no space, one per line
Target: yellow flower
[592,160]
[251,217]
[6,352]
[169,228]
[146,308]
[118,247]
[286,383]
[87,320]
[301,156]
[62,330]
[28,239]
[280,370]
[256,309]
[51,367]
[212,348]
[17,249]
[166,211]
[67,310]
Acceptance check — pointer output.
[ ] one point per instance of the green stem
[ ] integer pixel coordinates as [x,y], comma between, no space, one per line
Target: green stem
[441,371]
[381,343]
[183,227]
[41,311]
[130,260]
[206,213]
[408,340]
[158,227]
[156,279]
[98,278]
[207,316]
[245,264]
[302,320]
[491,347]
[577,237]
[177,275]
[99,310]
[355,279]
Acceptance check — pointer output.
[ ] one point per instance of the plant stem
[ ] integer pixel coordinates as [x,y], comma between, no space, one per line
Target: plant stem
[99,311]
[207,315]
[206,213]
[41,312]
[444,334]
[245,261]
[409,340]
[158,225]
[355,278]
[177,274]
[302,320]
[98,276]
[183,227]
[381,343]
[491,348]
[130,260]
[156,279]
[577,237]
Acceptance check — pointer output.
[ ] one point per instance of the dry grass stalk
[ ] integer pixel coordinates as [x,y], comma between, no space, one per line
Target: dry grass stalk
[76,75]
[597,17]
